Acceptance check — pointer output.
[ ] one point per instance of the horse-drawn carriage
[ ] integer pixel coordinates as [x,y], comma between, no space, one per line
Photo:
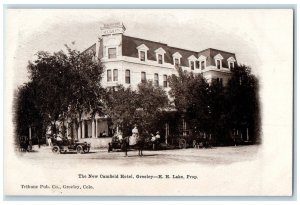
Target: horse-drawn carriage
[68,145]
[129,143]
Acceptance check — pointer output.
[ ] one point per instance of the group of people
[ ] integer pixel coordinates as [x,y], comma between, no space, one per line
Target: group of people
[57,139]
[135,140]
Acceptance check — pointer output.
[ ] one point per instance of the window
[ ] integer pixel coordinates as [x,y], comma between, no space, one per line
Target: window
[115,74]
[231,62]
[202,61]
[218,64]
[108,75]
[143,77]
[156,82]
[176,59]
[165,81]
[142,51]
[142,55]
[112,53]
[160,60]
[176,62]
[219,81]
[160,52]
[127,76]
[218,61]
[197,65]
[192,65]
[202,65]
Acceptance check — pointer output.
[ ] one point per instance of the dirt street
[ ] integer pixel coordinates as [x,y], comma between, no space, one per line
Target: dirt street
[213,156]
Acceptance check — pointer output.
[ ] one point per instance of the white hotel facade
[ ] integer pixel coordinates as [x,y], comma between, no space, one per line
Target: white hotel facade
[128,61]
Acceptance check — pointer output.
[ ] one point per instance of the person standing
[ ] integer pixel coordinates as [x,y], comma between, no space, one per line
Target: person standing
[133,138]
[157,136]
[125,144]
[49,141]
[155,140]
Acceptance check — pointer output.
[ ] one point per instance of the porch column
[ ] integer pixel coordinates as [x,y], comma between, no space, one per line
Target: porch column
[79,131]
[93,128]
[247,134]
[167,133]
[67,126]
[184,126]
[96,127]
[83,129]
[30,133]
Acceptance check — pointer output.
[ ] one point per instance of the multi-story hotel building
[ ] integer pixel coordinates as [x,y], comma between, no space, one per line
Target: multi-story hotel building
[129,60]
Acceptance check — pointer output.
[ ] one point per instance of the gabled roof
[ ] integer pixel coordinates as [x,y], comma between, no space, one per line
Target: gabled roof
[142,47]
[211,53]
[192,58]
[130,44]
[160,50]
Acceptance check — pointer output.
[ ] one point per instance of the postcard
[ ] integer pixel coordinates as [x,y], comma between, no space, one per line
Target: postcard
[148,102]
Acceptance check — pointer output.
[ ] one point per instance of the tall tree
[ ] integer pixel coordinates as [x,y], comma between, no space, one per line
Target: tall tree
[51,77]
[27,114]
[244,100]
[190,96]
[87,94]
[143,107]
[120,105]
[67,84]
[218,115]
[152,101]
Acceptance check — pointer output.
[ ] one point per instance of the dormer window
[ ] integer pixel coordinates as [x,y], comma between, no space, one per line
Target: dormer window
[192,59]
[160,55]
[231,61]
[142,51]
[160,59]
[197,64]
[202,64]
[218,60]
[142,55]
[176,59]
[202,60]
[192,64]
[176,62]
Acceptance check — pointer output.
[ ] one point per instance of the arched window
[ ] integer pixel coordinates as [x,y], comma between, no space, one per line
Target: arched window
[115,74]
[143,77]
[165,81]
[108,75]
[127,76]
[156,81]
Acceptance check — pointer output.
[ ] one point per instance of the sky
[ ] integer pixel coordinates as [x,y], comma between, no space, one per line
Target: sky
[237,31]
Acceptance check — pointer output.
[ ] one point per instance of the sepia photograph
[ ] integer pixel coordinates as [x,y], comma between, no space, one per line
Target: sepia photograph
[148,102]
